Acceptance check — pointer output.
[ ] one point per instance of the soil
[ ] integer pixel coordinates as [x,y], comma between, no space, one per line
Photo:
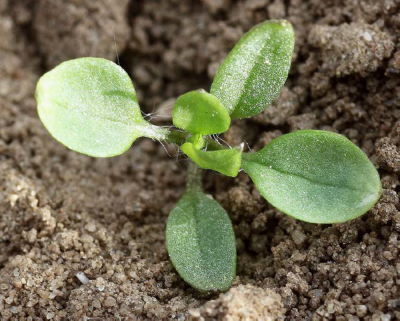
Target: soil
[63,214]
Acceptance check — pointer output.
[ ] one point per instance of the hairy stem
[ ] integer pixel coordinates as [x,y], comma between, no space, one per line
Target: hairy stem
[179,138]
[176,137]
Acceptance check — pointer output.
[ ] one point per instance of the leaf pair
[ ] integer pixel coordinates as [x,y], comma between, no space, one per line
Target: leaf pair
[249,79]
[201,113]
[315,176]
[90,104]
[200,238]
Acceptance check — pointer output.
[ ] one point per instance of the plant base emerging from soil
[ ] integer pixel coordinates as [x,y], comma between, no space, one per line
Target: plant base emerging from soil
[90,106]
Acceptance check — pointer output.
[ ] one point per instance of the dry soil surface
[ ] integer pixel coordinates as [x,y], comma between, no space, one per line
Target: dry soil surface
[62,213]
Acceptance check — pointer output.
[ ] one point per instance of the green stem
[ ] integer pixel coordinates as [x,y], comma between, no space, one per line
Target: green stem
[193,181]
[179,138]
[176,137]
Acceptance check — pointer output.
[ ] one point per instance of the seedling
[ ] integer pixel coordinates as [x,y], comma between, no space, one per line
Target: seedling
[90,106]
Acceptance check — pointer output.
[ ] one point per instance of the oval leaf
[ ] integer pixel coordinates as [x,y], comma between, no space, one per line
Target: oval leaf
[315,176]
[201,242]
[226,161]
[199,112]
[254,72]
[90,106]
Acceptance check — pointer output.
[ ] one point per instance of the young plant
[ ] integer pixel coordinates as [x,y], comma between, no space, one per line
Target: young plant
[90,106]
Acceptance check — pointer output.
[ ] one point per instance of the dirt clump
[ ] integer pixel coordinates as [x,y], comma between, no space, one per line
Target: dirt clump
[71,29]
[388,154]
[370,47]
[245,302]
[84,238]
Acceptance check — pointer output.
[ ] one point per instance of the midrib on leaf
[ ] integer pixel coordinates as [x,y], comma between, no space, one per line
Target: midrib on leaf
[92,115]
[202,261]
[272,168]
[122,93]
[259,58]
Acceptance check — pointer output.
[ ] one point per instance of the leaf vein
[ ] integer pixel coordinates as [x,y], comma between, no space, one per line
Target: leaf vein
[270,167]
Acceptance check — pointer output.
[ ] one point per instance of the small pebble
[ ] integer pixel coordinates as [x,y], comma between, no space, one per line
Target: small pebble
[298,237]
[82,277]
[110,302]
[362,310]
[16,272]
[91,227]
[367,36]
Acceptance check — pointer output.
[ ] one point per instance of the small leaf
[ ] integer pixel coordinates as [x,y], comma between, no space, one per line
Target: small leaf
[197,140]
[226,161]
[254,72]
[90,106]
[199,112]
[201,242]
[315,176]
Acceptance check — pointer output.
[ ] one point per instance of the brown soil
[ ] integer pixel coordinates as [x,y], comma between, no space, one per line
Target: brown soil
[62,213]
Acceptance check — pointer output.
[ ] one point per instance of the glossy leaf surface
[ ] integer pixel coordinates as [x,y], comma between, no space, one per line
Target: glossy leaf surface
[254,72]
[226,161]
[199,112]
[201,242]
[315,176]
[90,106]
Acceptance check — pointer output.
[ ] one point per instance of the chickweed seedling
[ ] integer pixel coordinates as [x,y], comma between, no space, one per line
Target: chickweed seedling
[90,106]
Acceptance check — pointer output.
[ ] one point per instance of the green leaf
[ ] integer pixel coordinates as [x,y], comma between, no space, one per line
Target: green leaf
[255,71]
[90,106]
[201,242]
[315,176]
[226,161]
[197,140]
[199,112]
